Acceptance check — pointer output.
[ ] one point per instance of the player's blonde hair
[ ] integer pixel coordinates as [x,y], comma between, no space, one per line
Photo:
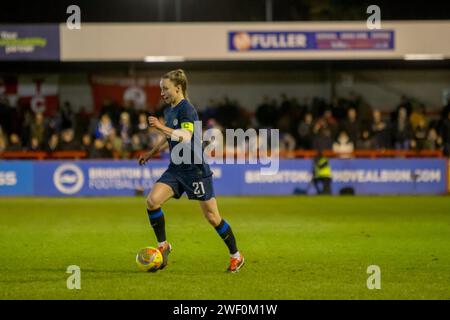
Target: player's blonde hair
[178,78]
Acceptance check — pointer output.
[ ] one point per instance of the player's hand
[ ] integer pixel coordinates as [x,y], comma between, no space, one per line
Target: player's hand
[154,122]
[143,158]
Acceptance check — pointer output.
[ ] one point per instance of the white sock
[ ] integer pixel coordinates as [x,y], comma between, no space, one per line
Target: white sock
[236,255]
[160,244]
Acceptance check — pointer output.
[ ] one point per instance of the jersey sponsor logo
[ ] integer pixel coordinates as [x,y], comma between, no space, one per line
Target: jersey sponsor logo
[68,178]
[175,122]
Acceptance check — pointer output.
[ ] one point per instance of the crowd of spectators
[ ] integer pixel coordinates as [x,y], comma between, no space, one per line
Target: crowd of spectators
[342,125]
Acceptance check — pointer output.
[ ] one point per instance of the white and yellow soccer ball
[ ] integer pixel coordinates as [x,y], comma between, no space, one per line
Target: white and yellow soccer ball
[149,259]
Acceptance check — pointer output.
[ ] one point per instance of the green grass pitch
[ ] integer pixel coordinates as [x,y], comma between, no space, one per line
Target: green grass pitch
[295,248]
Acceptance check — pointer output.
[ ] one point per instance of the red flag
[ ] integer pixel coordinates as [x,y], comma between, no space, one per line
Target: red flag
[143,91]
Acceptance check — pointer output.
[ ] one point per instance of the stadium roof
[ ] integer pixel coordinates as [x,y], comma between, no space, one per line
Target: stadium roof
[46,11]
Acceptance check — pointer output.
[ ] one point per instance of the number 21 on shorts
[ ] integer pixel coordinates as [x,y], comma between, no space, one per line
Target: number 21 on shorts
[199,189]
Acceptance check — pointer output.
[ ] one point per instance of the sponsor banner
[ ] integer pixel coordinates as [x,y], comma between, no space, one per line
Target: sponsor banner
[29,42]
[142,92]
[366,176]
[126,178]
[391,176]
[310,40]
[16,178]
[95,178]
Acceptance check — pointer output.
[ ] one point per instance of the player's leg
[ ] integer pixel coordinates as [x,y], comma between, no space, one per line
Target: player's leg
[159,194]
[211,213]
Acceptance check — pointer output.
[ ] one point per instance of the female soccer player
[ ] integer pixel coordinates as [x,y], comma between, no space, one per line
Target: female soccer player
[194,179]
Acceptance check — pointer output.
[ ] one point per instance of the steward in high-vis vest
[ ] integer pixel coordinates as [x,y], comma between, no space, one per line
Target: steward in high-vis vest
[322,174]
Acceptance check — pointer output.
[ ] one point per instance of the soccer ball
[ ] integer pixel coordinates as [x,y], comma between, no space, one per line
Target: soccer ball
[149,259]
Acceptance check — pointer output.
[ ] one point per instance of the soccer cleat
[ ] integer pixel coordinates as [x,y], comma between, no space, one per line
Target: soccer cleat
[236,264]
[165,250]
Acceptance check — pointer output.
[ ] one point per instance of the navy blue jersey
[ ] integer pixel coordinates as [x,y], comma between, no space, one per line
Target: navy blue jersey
[183,116]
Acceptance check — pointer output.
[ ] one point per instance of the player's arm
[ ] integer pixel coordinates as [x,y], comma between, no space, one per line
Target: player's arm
[146,156]
[181,135]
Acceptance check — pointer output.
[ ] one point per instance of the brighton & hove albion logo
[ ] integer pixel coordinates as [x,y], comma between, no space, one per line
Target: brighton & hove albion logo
[68,178]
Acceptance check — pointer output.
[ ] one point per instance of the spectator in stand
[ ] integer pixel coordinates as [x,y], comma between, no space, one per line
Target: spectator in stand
[136,144]
[112,111]
[351,125]
[68,142]
[126,130]
[130,109]
[227,112]
[37,128]
[417,116]
[34,145]
[287,142]
[104,127]
[82,122]
[25,130]
[402,131]
[406,104]
[52,127]
[5,113]
[420,134]
[365,113]
[343,146]
[330,121]
[433,141]
[380,132]
[284,123]
[445,133]
[66,116]
[338,109]
[305,131]
[446,109]
[99,150]
[2,140]
[2,144]
[322,140]
[142,130]
[52,144]
[353,101]
[267,113]
[365,141]
[116,144]
[86,143]
[14,143]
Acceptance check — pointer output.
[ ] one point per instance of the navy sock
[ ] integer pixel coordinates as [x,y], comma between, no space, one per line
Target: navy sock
[158,223]
[225,232]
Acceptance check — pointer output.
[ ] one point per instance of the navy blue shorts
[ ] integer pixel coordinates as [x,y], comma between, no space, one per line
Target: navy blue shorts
[195,186]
